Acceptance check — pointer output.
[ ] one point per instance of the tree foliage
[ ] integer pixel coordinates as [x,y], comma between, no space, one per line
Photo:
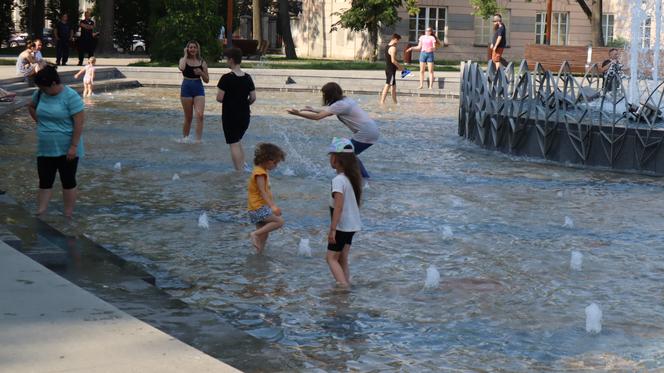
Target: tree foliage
[372,15]
[485,8]
[174,22]
[54,9]
[131,18]
[6,21]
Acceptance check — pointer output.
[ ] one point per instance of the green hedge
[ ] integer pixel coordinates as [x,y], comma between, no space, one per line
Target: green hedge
[176,22]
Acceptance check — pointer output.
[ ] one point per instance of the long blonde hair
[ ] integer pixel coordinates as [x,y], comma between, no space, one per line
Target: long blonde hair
[198,49]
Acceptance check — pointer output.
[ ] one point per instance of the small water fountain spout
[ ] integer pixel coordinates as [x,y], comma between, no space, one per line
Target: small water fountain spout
[593,319]
[303,248]
[433,278]
[576,261]
[203,221]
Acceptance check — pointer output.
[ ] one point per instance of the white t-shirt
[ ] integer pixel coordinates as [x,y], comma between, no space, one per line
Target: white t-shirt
[357,120]
[350,213]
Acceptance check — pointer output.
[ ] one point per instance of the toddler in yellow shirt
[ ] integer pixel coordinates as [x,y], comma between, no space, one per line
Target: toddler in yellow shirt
[263,211]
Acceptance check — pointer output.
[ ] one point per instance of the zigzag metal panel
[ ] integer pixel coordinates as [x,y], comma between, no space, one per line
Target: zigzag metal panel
[580,121]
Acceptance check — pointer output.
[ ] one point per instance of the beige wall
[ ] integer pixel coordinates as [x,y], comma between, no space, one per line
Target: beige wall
[314,39]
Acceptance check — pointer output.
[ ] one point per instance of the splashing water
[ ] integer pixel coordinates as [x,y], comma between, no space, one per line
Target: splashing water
[293,153]
[560,194]
[593,319]
[164,150]
[638,16]
[185,140]
[303,248]
[176,177]
[569,223]
[576,261]
[118,166]
[447,232]
[203,221]
[287,171]
[433,278]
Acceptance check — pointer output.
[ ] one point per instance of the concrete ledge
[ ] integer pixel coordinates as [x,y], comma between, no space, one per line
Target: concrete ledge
[50,325]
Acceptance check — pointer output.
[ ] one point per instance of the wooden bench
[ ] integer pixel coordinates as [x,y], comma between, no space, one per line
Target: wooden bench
[552,57]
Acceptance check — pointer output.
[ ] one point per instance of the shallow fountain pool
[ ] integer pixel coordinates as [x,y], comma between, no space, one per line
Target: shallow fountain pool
[498,230]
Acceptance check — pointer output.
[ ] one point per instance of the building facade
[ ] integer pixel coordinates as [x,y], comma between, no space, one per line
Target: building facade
[464,35]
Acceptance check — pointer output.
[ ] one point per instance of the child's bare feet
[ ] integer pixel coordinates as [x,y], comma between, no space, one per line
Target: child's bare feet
[255,242]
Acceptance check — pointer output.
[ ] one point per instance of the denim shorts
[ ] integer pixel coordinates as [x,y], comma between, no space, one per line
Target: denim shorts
[426,57]
[192,88]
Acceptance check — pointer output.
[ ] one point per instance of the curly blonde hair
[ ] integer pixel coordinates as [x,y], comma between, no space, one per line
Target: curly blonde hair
[266,151]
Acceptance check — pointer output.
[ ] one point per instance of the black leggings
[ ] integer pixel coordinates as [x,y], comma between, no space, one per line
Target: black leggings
[48,166]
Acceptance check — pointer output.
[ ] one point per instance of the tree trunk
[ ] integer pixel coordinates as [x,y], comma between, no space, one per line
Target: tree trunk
[36,16]
[106,27]
[596,24]
[284,24]
[256,20]
[373,42]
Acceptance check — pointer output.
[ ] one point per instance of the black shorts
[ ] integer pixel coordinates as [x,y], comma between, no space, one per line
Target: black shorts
[391,77]
[343,239]
[234,128]
[48,166]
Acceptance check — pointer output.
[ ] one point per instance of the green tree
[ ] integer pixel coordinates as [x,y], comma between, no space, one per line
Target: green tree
[174,22]
[131,18]
[54,9]
[372,15]
[6,8]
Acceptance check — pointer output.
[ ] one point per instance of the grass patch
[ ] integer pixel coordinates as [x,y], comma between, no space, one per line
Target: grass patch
[7,62]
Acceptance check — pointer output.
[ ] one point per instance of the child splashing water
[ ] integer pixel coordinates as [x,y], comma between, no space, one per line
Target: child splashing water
[262,210]
[344,208]
[89,77]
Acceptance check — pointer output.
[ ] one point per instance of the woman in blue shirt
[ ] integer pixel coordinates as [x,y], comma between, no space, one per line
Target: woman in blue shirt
[58,111]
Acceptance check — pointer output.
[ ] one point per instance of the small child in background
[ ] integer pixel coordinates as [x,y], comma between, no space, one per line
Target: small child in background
[344,208]
[89,77]
[262,210]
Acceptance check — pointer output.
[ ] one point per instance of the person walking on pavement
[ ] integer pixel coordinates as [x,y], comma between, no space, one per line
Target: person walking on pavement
[63,34]
[499,40]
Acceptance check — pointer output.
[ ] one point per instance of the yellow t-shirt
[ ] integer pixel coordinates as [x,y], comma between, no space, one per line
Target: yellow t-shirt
[255,200]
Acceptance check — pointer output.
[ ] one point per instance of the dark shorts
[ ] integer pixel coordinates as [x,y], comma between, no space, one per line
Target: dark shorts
[234,128]
[192,88]
[48,166]
[343,239]
[391,77]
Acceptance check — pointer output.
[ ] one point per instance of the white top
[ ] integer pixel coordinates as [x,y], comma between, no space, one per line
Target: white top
[350,213]
[357,120]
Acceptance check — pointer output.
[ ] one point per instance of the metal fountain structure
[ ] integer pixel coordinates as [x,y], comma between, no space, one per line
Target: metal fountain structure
[564,118]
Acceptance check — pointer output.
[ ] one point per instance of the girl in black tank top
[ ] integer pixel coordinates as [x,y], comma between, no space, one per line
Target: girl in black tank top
[188,71]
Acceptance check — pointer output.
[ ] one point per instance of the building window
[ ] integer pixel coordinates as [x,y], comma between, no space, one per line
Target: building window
[559,28]
[484,28]
[607,27]
[436,18]
[645,33]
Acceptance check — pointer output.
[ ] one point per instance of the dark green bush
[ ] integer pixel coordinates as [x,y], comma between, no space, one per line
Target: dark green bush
[174,22]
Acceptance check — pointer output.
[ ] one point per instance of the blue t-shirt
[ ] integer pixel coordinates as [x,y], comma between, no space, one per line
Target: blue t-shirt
[55,125]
